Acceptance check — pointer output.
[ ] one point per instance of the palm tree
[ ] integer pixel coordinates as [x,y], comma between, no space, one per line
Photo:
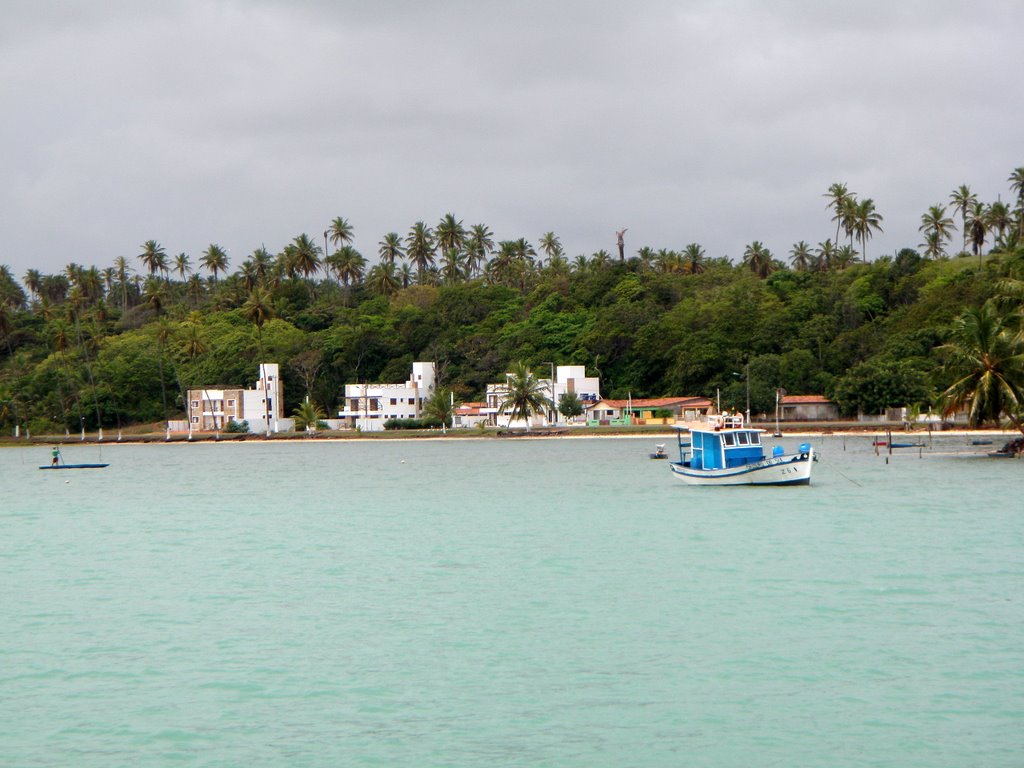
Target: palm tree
[419,246]
[258,309]
[524,394]
[450,235]
[479,247]
[441,407]
[121,265]
[339,232]
[838,195]
[182,265]
[932,245]
[825,257]
[986,354]
[153,257]
[383,279]
[800,256]
[999,218]
[453,266]
[1016,180]
[308,415]
[645,254]
[844,257]
[347,264]
[758,259]
[390,248]
[936,220]
[215,259]
[695,258]
[963,200]
[551,245]
[864,219]
[33,281]
[669,261]
[976,221]
[304,257]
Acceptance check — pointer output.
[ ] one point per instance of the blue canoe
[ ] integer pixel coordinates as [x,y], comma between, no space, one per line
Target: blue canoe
[75,466]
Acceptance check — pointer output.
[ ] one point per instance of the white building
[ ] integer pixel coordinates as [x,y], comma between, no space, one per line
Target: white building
[568,379]
[368,406]
[211,408]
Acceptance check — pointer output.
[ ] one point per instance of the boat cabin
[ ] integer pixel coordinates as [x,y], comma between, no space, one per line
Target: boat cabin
[724,444]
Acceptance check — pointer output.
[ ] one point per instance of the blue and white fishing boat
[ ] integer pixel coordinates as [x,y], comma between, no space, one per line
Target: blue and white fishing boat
[725,452]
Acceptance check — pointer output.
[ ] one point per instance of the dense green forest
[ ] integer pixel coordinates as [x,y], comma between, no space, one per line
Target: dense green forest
[120,344]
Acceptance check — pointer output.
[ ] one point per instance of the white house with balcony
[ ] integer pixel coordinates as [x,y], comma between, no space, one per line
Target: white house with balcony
[211,408]
[368,406]
[567,379]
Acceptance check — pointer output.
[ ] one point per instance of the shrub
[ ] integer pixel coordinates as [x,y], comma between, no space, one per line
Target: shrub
[237,427]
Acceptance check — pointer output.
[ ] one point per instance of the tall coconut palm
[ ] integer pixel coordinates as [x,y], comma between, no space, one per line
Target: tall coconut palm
[258,309]
[304,257]
[215,259]
[33,281]
[976,222]
[838,196]
[758,259]
[551,245]
[479,247]
[864,219]
[347,264]
[936,220]
[695,258]
[450,235]
[525,395]
[183,265]
[999,218]
[390,248]
[340,232]
[800,256]
[453,267]
[986,354]
[419,247]
[383,279]
[824,257]
[963,200]
[1016,180]
[122,269]
[932,245]
[153,257]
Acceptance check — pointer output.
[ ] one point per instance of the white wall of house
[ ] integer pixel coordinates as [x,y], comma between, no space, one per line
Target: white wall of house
[368,406]
[568,378]
[213,408]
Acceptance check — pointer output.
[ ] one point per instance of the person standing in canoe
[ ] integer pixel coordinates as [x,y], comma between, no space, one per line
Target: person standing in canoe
[55,453]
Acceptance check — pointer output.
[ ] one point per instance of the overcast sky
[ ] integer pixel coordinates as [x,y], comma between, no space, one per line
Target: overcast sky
[244,123]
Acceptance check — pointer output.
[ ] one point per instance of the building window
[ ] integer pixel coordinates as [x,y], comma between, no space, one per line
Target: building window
[195,403]
[394,401]
[195,419]
[231,403]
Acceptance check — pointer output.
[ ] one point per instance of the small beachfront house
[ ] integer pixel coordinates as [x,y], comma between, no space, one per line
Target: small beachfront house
[368,406]
[211,408]
[567,379]
[807,408]
[471,414]
[642,410]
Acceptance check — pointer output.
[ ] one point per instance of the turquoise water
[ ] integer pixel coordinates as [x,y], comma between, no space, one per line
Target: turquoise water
[507,603]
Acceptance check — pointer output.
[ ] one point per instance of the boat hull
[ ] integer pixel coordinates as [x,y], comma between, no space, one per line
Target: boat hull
[780,470]
[76,466]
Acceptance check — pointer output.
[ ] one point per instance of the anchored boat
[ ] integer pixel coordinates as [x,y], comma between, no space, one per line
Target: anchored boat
[725,452]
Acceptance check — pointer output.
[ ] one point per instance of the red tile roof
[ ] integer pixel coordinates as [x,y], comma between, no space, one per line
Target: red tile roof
[805,400]
[656,402]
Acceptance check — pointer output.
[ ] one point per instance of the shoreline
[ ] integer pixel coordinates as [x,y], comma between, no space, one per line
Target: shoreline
[157,438]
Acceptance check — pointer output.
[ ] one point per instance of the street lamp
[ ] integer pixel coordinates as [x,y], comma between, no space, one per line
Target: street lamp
[553,411]
[747,378]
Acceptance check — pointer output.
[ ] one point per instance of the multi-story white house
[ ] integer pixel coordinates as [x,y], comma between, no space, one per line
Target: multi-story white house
[368,406]
[568,379]
[211,408]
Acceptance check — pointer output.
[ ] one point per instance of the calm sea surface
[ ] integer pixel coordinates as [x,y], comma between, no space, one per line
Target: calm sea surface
[507,603]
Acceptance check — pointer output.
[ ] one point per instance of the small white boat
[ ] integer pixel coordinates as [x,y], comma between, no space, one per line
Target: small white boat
[724,452]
